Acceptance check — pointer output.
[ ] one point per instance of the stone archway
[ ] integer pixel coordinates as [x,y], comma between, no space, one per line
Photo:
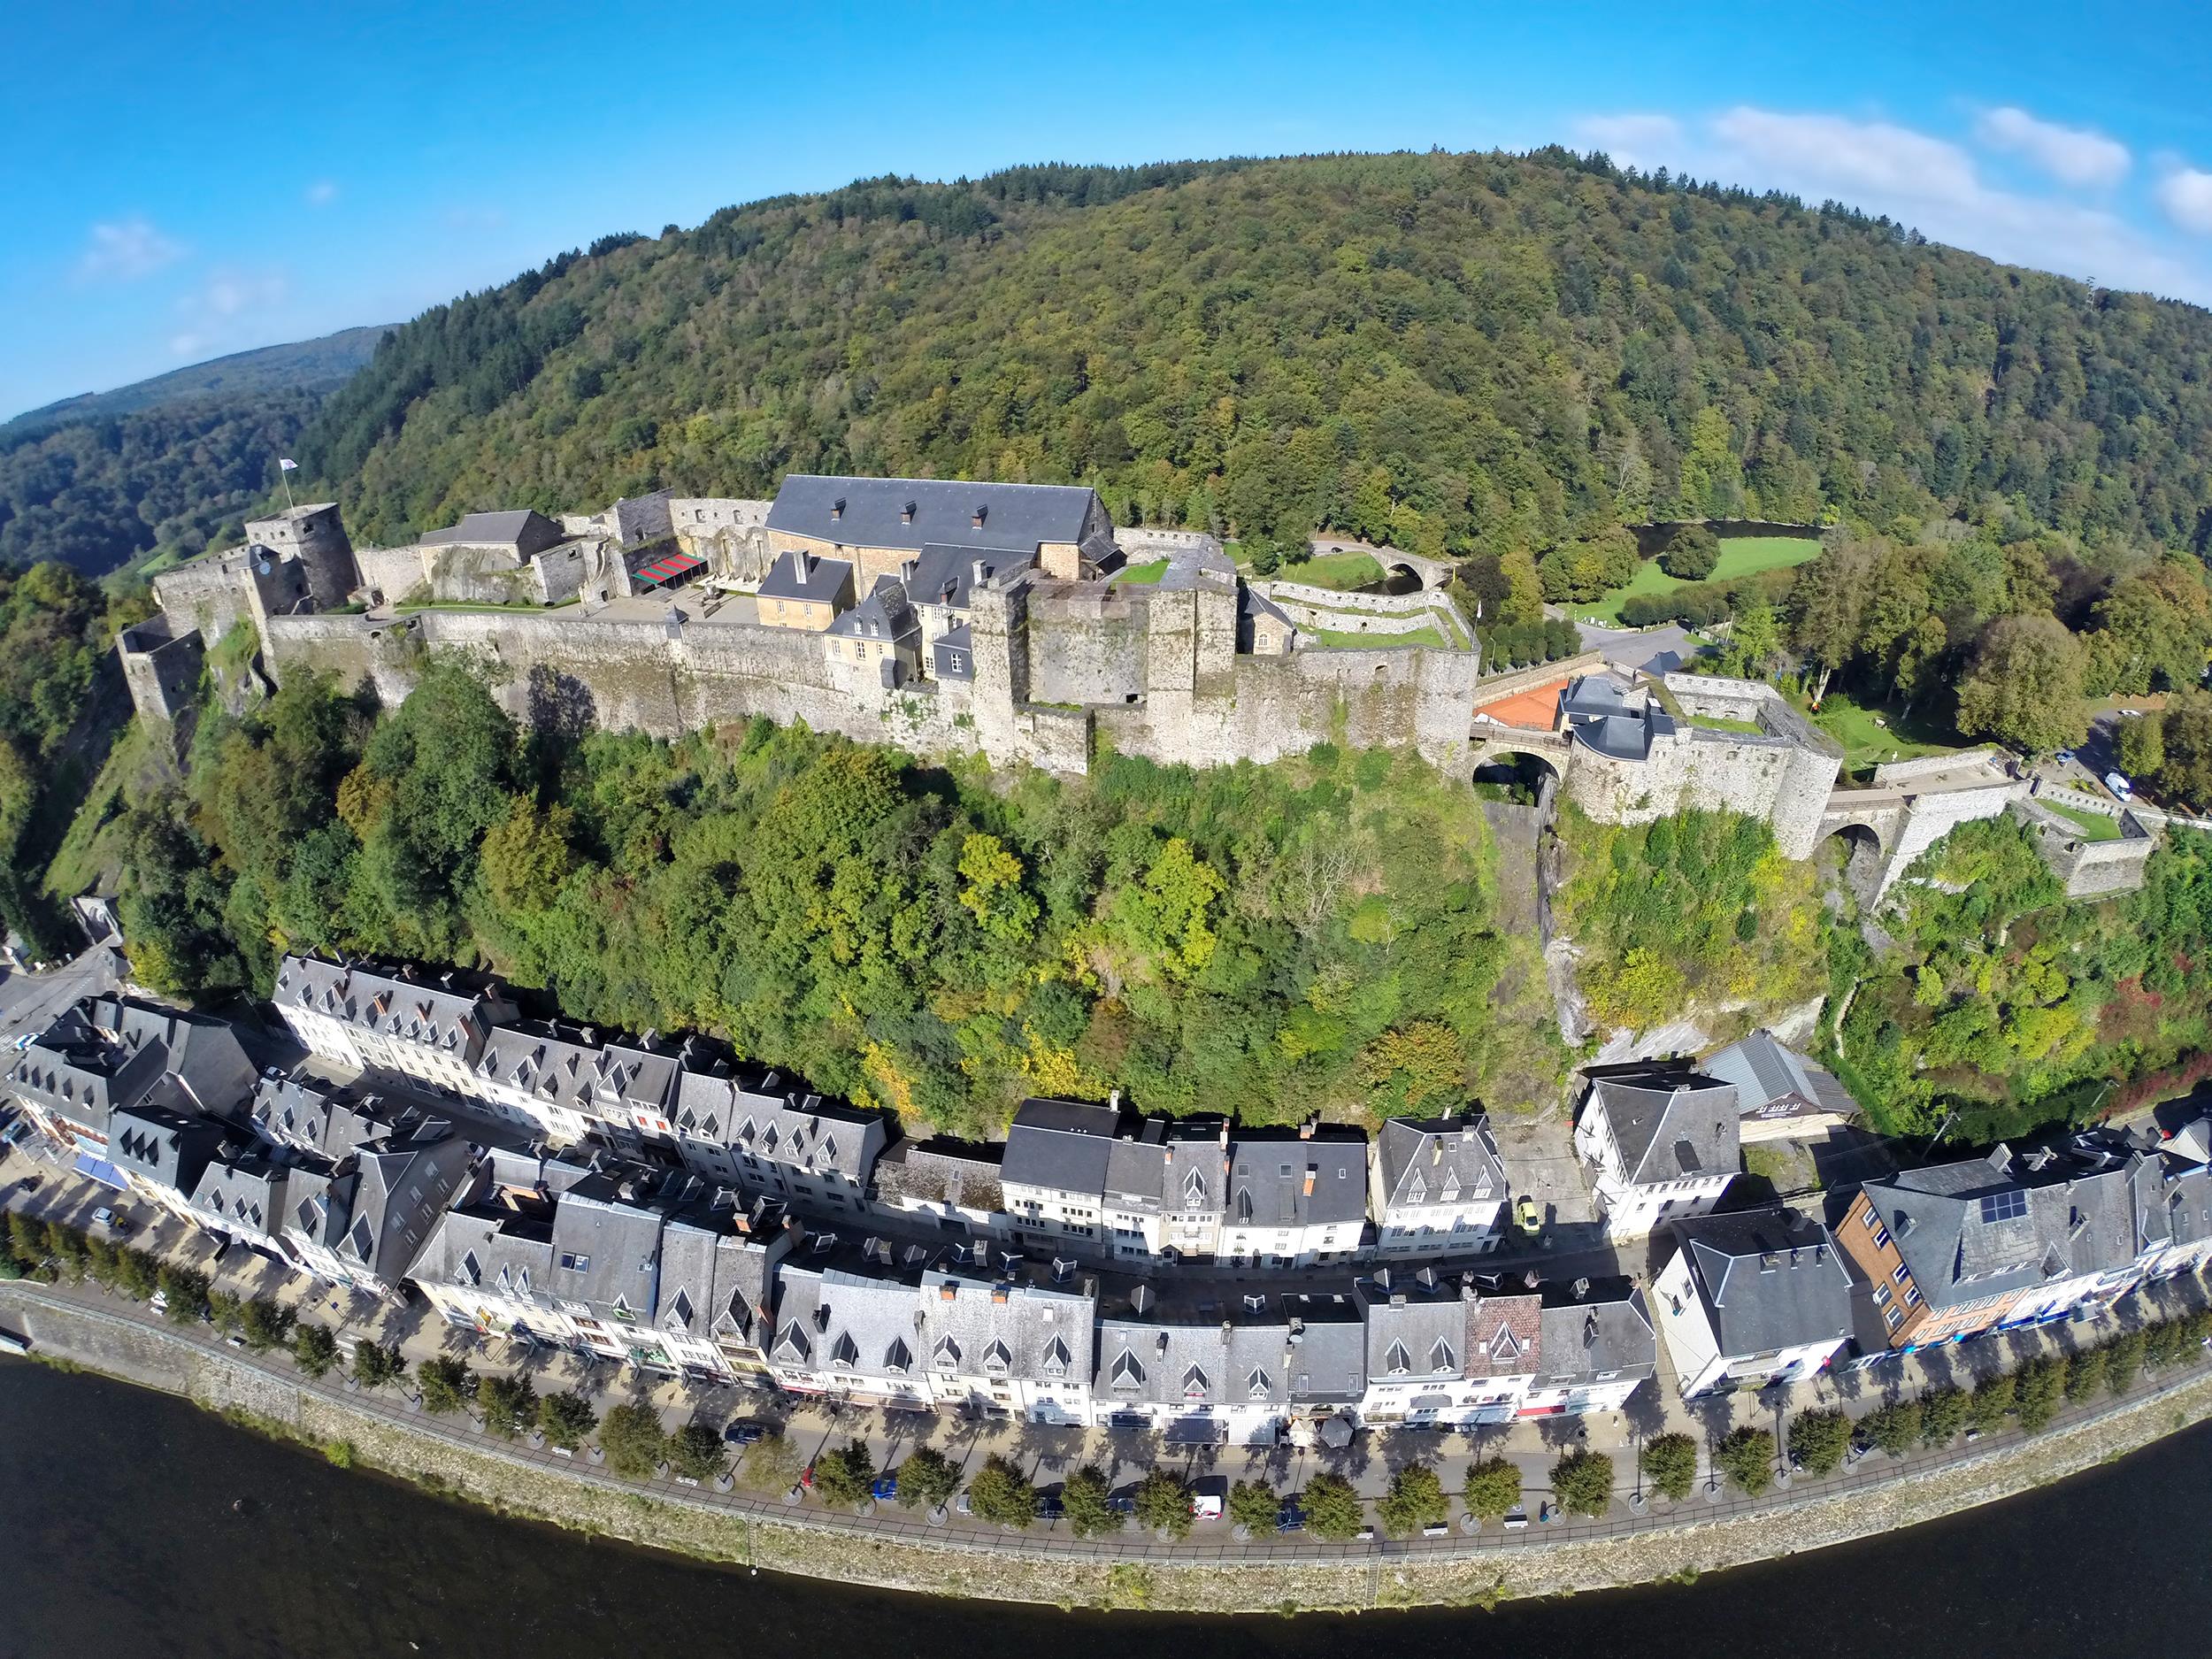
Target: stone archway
[1859,858]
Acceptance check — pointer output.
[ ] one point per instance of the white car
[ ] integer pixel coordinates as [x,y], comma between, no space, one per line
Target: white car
[2120,787]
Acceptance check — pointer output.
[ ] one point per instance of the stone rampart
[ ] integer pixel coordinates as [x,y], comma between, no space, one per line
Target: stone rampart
[2089,868]
[1903,771]
[161,668]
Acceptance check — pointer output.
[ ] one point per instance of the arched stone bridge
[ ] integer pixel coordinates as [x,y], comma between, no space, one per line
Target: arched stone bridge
[1431,573]
[1884,828]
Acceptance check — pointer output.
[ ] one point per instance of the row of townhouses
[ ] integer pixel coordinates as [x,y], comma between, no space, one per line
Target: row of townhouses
[664,1209]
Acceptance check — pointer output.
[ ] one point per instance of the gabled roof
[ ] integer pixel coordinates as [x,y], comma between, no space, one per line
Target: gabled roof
[1772,1080]
[510,528]
[1767,1279]
[1291,1182]
[797,575]
[883,615]
[1252,602]
[872,512]
[1416,1334]
[165,1147]
[1439,1161]
[1060,1145]
[1505,1336]
[1591,1328]
[1670,1125]
[942,566]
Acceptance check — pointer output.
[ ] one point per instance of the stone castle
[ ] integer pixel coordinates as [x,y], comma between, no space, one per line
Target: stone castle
[1008,619]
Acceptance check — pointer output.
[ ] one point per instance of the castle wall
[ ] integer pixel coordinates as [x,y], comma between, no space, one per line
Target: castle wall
[316,536]
[1089,644]
[2089,869]
[393,572]
[162,670]
[208,594]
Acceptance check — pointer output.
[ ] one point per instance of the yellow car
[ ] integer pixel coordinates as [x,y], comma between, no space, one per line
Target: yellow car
[1530,1216]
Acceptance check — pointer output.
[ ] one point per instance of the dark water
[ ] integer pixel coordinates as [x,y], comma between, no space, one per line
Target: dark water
[117,1537]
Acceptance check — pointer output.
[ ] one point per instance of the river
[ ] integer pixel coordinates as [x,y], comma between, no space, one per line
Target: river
[121,1538]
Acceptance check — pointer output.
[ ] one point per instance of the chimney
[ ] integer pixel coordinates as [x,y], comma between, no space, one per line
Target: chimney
[976,521]
[1305,1129]
[906,513]
[1311,1173]
[999,1295]
[947,1291]
[1581,1288]
[837,509]
[1436,1151]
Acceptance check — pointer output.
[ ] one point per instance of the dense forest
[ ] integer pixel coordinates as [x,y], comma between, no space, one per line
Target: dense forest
[165,467]
[1315,936]
[1463,353]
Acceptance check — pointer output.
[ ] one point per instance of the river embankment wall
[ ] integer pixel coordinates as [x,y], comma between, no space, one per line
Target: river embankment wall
[901,1551]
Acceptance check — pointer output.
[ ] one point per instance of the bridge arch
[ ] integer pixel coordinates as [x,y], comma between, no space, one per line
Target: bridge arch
[1860,857]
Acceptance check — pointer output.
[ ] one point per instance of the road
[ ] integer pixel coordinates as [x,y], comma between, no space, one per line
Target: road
[30,1002]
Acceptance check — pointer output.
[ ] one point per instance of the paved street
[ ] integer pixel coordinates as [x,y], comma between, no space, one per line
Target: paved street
[30,1002]
[1049,1453]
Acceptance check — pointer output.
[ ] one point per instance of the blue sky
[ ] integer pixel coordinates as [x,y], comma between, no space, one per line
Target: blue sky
[179,181]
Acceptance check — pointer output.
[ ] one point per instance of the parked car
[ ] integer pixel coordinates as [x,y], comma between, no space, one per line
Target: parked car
[1529,1215]
[104,1218]
[1290,1519]
[743,1433]
[961,1506]
[2064,757]
[884,1488]
[2119,786]
[1050,1506]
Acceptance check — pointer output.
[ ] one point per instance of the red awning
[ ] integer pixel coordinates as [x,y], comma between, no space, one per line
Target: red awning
[670,565]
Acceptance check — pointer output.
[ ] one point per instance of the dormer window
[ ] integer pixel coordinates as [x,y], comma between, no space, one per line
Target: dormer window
[1128,1373]
[898,1359]
[975,520]
[1056,1358]
[906,513]
[1441,1358]
[1194,1384]
[837,509]
[1255,1385]
[946,1355]
[997,1359]
[1398,1362]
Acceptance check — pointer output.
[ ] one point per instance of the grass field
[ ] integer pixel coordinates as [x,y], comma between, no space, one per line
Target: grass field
[1739,556]
[1873,737]
[1720,723]
[1143,575]
[1346,573]
[1348,641]
[2095,827]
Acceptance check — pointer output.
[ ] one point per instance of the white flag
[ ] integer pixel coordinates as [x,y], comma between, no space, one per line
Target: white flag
[284,465]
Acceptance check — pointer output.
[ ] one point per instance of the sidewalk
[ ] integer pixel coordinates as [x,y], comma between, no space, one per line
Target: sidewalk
[1049,1454]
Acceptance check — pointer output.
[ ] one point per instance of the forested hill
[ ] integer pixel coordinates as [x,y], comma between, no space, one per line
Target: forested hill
[1455,351]
[164,465]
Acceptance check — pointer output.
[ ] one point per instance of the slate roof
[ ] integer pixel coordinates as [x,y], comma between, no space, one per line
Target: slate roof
[1252,602]
[1015,517]
[988,1330]
[1328,1354]
[442,1013]
[1981,1226]
[1244,1359]
[1767,1279]
[1611,720]
[111,1052]
[1606,1328]
[1061,1145]
[940,1172]
[1417,1333]
[242,1188]
[1296,1183]
[168,1149]
[606,1250]
[544,1061]
[1670,1125]
[801,1131]
[941,566]
[797,575]
[883,615]
[953,656]
[1772,1080]
[1438,1161]
[525,529]
[316,1115]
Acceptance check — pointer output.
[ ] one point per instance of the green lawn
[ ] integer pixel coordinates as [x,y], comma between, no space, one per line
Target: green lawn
[1718,724]
[1739,556]
[1350,641]
[1873,737]
[2096,826]
[1346,573]
[1141,574]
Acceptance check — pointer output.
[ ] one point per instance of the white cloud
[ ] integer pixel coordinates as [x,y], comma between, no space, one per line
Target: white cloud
[1633,139]
[2072,155]
[228,312]
[2185,193]
[1872,157]
[322,193]
[125,249]
[1934,185]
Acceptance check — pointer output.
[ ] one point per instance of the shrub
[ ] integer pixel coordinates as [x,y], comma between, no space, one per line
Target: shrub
[340,1452]
[1818,1440]
[1002,1495]
[1991,1402]
[1943,1413]
[565,1419]
[1747,1457]
[1085,1500]
[1416,1500]
[1669,1463]
[315,1349]
[633,1439]
[224,1310]
[1494,1486]
[2124,1361]
[1163,1503]
[1253,1506]
[696,1451]
[445,1383]
[844,1477]
[510,1405]
[187,1294]
[927,1479]
[2084,1372]
[1583,1482]
[1333,1510]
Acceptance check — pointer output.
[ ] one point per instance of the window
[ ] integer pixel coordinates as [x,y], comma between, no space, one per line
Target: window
[576,1264]
[1895,1318]
[1881,1236]
[1912,1297]
[2005,1206]
[1881,1295]
[1902,1274]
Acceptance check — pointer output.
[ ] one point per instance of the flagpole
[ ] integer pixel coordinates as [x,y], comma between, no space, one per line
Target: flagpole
[284,475]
